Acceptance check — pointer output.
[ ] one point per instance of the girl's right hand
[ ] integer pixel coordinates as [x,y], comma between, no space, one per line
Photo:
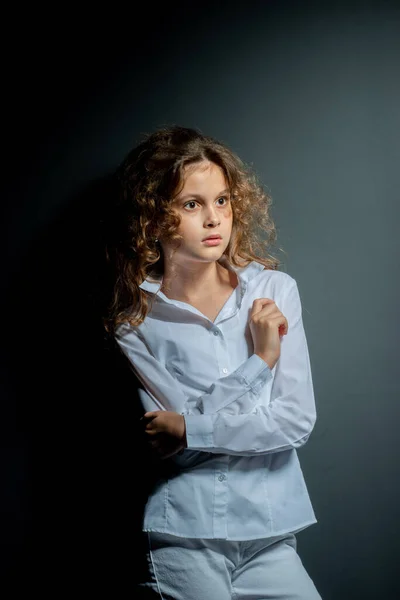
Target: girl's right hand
[267,324]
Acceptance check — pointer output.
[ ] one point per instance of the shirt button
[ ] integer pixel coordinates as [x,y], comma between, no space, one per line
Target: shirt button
[215,332]
[224,370]
[222,477]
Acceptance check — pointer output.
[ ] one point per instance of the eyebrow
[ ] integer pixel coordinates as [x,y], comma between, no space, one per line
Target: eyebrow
[199,196]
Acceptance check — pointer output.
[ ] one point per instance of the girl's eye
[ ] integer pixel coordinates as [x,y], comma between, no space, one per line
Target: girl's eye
[191,202]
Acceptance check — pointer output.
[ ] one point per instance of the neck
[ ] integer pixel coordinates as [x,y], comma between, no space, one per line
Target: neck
[193,281]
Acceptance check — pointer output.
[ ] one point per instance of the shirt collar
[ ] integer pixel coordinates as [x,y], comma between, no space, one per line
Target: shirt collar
[244,274]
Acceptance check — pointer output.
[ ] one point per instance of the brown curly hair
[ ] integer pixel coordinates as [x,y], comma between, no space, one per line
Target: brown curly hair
[147,180]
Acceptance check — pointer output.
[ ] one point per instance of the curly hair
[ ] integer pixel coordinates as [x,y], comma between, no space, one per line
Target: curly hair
[147,180]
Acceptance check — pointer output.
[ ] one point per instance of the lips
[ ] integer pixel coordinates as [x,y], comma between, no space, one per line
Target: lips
[212,237]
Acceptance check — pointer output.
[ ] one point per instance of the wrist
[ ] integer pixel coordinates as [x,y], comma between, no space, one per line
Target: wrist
[266,359]
[184,439]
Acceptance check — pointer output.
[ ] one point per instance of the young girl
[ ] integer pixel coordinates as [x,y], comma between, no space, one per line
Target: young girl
[214,333]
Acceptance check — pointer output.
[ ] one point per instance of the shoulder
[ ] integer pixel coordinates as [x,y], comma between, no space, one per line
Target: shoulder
[126,329]
[278,282]
[281,276]
[280,287]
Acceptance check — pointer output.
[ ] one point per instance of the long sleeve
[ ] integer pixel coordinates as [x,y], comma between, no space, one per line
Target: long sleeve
[286,422]
[237,392]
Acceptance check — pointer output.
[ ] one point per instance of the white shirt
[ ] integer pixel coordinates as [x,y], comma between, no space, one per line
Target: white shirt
[239,477]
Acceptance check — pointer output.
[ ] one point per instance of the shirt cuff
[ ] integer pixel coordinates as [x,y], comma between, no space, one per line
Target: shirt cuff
[199,431]
[255,373]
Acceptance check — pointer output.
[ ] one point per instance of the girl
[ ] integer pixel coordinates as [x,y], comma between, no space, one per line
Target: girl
[214,333]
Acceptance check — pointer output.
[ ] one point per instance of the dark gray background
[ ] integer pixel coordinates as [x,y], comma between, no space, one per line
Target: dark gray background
[309,95]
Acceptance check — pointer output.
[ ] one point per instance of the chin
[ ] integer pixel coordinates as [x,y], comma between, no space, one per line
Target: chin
[206,257]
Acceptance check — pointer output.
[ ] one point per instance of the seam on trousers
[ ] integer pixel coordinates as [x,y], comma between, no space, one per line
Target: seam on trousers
[233,591]
[153,565]
[291,540]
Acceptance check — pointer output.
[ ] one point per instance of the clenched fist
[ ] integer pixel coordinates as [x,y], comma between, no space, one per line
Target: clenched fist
[165,431]
[267,324]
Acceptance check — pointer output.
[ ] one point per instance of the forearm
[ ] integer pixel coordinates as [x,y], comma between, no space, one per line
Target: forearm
[283,418]
[243,386]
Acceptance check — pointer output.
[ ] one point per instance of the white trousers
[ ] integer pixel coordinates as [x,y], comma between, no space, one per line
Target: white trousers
[202,569]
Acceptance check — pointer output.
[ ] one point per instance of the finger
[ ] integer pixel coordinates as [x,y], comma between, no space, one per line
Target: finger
[274,319]
[282,323]
[259,303]
[150,429]
[268,312]
[151,414]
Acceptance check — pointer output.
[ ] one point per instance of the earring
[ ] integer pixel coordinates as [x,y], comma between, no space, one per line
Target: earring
[156,240]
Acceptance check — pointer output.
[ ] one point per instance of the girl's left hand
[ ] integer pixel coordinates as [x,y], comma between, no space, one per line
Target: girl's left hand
[165,431]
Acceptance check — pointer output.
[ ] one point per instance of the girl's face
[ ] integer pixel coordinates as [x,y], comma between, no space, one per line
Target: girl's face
[205,209]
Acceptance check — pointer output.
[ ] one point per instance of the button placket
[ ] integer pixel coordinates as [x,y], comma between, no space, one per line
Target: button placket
[220,525]
[221,354]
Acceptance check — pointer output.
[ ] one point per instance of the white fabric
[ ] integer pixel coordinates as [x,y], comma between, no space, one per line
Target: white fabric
[195,569]
[240,477]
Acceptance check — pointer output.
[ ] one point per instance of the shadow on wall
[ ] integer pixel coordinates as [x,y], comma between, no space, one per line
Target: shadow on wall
[77,411]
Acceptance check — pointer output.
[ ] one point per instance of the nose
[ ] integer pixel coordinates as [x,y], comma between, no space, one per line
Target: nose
[212,219]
